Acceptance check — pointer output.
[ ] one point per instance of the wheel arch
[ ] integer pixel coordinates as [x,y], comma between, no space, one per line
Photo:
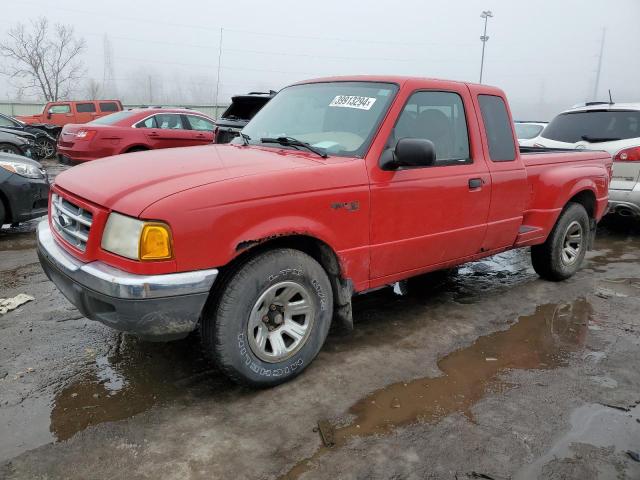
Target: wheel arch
[317,249]
[135,147]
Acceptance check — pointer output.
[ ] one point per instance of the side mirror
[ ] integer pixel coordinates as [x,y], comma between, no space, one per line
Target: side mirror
[409,153]
[49,113]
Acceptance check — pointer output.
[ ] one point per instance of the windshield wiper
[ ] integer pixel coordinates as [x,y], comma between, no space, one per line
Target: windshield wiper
[293,142]
[589,139]
[245,138]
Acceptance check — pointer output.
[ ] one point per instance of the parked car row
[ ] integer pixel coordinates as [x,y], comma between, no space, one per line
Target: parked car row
[608,126]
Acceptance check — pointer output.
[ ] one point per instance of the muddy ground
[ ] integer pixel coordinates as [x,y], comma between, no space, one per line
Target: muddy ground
[490,371]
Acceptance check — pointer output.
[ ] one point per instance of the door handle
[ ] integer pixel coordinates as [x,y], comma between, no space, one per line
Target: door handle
[154,134]
[475,183]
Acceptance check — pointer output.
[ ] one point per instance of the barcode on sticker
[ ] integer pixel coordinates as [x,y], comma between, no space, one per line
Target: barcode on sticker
[353,101]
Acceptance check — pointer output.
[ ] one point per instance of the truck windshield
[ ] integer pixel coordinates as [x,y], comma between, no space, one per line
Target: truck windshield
[594,126]
[339,118]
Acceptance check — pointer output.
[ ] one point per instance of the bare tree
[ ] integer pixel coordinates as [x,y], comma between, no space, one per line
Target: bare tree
[92,89]
[44,62]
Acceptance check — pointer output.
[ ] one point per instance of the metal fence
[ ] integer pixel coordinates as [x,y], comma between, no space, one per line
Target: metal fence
[13,108]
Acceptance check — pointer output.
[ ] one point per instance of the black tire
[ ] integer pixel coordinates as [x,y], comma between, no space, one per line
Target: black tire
[7,147]
[225,322]
[548,260]
[3,213]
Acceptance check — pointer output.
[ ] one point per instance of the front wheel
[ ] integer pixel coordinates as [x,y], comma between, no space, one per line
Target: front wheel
[45,148]
[562,254]
[269,319]
[8,148]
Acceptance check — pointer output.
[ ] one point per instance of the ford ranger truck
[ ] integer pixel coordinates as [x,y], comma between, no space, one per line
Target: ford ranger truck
[337,186]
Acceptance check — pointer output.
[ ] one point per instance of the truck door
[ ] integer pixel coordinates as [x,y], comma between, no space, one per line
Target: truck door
[59,114]
[422,217]
[85,112]
[509,187]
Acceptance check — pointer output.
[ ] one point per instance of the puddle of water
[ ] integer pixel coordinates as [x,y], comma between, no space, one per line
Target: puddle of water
[542,340]
[129,380]
[596,425]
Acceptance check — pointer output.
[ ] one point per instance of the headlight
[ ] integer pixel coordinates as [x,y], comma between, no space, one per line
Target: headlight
[22,168]
[137,239]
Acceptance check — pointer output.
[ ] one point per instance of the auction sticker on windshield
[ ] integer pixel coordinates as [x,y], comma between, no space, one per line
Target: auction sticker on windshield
[353,101]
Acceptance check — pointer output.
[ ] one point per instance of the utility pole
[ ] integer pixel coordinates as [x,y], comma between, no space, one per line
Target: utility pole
[150,91]
[486,14]
[218,78]
[595,88]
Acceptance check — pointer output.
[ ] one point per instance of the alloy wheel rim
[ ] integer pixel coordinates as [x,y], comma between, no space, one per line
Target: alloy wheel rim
[572,244]
[281,321]
[45,149]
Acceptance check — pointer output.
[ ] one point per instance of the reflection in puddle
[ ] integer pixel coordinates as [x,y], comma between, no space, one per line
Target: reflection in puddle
[592,424]
[539,341]
[128,381]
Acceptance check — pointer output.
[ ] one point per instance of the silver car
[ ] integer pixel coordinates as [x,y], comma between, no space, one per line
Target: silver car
[614,127]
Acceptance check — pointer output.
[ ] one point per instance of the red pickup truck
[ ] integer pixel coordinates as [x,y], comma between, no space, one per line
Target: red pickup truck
[337,186]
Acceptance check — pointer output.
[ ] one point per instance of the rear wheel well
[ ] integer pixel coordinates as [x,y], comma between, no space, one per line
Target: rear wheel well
[316,249]
[587,199]
[136,148]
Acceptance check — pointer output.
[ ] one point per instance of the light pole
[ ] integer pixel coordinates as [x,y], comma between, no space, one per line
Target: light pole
[486,15]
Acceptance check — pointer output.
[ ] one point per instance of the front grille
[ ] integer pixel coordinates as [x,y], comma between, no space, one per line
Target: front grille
[72,222]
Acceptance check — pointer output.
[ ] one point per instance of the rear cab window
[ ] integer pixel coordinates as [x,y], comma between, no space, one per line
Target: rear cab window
[85,107]
[109,107]
[497,126]
[594,126]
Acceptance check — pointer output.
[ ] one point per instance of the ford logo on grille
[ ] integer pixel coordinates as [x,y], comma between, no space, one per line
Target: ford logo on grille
[63,220]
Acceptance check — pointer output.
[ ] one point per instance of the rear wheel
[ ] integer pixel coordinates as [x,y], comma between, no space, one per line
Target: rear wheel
[8,148]
[269,319]
[562,254]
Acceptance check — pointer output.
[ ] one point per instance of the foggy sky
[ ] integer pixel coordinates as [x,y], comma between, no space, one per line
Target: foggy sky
[543,53]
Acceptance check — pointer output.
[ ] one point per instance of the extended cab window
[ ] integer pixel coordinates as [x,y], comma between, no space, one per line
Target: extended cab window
[60,108]
[169,121]
[439,117]
[85,107]
[497,125]
[109,107]
[199,123]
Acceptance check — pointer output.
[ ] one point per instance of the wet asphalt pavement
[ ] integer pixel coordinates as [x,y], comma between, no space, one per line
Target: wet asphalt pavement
[486,371]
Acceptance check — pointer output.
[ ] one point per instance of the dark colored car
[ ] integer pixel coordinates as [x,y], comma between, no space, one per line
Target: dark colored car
[45,144]
[17,143]
[24,189]
[242,109]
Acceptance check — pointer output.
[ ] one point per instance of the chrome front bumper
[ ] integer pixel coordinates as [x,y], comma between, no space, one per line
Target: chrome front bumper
[155,307]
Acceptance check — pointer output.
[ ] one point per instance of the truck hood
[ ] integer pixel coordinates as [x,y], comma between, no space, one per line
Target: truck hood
[129,183]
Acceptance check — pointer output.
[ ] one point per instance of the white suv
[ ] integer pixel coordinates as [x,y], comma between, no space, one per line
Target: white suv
[614,127]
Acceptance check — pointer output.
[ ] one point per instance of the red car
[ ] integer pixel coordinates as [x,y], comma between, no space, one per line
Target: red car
[336,187]
[133,131]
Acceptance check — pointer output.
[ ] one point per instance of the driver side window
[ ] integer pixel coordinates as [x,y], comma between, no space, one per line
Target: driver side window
[439,117]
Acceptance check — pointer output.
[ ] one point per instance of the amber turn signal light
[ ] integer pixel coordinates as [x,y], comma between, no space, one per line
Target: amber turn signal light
[155,242]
